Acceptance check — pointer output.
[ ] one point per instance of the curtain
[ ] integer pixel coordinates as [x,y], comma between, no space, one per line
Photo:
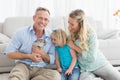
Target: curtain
[28,6]
[101,10]
[97,9]
[7,9]
[13,8]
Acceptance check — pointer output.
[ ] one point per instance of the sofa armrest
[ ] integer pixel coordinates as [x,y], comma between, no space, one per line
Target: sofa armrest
[2,47]
[1,27]
[5,64]
[110,34]
[111,49]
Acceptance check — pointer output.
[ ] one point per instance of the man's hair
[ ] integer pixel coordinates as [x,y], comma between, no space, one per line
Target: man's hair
[42,9]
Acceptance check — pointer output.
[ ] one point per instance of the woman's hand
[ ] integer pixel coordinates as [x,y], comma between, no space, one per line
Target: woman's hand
[70,43]
[74,47]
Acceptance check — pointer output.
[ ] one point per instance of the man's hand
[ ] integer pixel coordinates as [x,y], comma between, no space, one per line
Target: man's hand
[35,57]
[36,50]
[36,54]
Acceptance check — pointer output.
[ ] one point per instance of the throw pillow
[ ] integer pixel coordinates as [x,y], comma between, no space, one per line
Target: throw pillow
[4,38]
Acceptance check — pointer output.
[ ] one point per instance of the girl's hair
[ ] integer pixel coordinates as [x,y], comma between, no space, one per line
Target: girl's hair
[60,35]
[84,29]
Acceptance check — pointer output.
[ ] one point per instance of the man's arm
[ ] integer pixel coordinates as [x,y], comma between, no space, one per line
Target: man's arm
[44,56]
[19,55]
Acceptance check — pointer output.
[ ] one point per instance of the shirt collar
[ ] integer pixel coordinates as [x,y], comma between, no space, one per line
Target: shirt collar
[31,28]
[46,31]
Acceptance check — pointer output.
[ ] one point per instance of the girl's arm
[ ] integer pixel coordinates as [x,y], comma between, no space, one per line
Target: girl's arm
[74,47]
[74,59]
[57,62]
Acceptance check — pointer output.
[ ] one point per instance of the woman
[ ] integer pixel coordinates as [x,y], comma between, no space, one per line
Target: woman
[83,40]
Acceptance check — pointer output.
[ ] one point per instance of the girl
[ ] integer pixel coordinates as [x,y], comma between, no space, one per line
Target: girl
[84,41]
[66,60]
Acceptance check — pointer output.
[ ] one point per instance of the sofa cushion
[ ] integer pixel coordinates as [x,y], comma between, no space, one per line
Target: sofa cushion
[111,34]
[1,27]
[2,47]
[5,64]
[111,49]
[12,24]
[4,38]
[96,25]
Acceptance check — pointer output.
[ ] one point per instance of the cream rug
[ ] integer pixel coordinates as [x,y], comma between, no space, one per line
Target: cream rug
[4,76]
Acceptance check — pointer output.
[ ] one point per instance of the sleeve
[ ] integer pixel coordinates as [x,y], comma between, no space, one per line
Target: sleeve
[51,53]
[93,46]
[14,44]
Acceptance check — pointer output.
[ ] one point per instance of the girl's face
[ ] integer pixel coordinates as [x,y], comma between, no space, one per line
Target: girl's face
[73,25]
[55,41]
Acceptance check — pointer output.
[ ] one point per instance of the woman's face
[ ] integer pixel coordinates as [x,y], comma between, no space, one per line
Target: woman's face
[73,25]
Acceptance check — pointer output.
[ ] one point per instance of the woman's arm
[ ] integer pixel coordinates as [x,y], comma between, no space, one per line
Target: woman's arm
[74,47]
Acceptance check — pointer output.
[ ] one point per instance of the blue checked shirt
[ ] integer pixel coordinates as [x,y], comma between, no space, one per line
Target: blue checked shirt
[23,40]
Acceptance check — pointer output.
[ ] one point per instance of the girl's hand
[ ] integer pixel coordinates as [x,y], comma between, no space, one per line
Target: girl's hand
[68,72]
[59,69]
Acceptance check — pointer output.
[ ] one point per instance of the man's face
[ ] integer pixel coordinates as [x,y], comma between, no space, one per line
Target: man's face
[41,19]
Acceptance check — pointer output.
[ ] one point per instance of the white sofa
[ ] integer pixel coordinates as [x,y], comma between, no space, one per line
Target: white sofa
[109,41]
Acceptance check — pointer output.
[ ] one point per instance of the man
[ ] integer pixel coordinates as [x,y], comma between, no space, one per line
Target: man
[30,59]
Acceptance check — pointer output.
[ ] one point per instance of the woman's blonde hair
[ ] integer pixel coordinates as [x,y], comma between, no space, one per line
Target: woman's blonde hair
[84,30]
[60,35]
